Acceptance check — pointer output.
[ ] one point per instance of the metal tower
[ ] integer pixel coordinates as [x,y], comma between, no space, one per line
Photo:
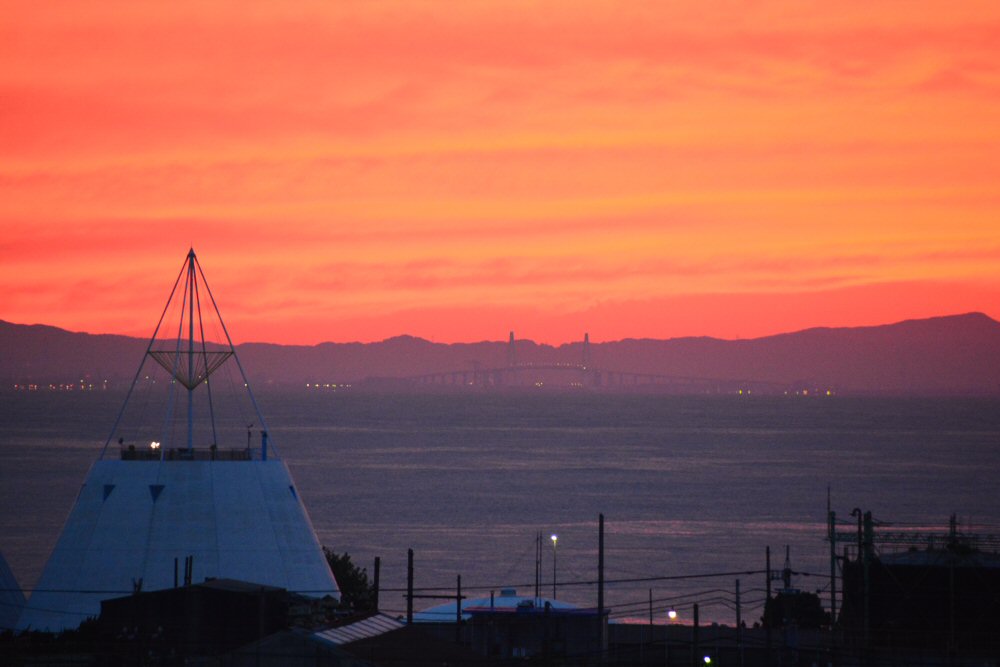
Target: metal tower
[188,357]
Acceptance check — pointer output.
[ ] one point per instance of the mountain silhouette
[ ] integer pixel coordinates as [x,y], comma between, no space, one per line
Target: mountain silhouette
[951,355]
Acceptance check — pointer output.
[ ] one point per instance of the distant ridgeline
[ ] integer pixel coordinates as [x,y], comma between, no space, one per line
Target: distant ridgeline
[954,355]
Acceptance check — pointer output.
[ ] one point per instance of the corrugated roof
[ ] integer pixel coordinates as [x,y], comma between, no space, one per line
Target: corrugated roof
[372,626]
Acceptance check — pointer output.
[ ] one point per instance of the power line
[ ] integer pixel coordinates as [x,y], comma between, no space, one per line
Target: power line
[594,582]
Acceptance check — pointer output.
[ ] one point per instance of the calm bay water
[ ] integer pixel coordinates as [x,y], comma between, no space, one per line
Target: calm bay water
[688,485]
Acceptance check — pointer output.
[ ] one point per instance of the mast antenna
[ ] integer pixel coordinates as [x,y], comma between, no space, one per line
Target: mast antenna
[190,359]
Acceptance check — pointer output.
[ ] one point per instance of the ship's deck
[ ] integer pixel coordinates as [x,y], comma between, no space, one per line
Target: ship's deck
[132,453]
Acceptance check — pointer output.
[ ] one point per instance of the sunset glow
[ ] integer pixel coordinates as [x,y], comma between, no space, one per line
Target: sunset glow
[455,170]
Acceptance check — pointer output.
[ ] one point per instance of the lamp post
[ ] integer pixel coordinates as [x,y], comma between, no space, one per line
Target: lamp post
[555,539]
[671,617]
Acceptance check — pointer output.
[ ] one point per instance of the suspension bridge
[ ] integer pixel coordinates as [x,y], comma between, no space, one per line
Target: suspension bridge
[581,373]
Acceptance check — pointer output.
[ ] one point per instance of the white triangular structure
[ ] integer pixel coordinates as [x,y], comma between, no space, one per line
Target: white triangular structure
[235,519]
[11,597]
[151,515]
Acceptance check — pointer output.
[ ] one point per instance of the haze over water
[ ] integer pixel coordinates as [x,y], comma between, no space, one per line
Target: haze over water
[688,485]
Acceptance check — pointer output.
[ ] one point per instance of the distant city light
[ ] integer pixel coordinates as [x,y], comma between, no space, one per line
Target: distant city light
[154,445]
[672,615]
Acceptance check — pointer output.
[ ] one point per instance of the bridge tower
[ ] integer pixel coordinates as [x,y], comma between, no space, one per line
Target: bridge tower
[511,352]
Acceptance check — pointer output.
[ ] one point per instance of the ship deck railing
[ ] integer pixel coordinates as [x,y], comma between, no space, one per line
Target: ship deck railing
[132,453]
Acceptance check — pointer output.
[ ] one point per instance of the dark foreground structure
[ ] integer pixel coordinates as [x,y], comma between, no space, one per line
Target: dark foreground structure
[236,624]
[900,598]
[917,596]
[941,601]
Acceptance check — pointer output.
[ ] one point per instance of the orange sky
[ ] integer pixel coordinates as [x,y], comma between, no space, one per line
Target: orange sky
[359,169]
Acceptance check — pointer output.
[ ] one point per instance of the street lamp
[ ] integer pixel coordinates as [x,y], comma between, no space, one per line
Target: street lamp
[555,539]
[671,617]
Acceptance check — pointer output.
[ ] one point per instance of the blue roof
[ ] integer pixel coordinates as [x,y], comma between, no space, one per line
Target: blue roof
[508,599]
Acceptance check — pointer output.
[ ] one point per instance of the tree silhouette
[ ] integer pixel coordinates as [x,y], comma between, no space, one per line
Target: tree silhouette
[356,593]
[799,608]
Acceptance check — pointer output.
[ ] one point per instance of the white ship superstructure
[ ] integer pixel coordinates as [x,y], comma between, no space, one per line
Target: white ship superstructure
[185,495]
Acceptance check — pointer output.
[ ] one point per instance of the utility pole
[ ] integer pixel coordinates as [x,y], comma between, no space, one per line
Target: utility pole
[458,610]
[409,586]
[832,533]
[555,540]
[739,626]
[600,565]
[767,601]
[375,583]
[694,638]
[538,567]
[601,625]
[951,597]
[867,554]
[832,523]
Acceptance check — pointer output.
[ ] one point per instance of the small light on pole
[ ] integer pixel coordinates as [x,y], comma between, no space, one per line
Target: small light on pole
[671,617]
[555,539]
